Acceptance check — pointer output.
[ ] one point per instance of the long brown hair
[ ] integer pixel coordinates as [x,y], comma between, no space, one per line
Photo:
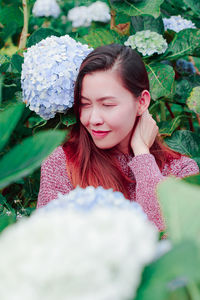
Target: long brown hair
[86,163]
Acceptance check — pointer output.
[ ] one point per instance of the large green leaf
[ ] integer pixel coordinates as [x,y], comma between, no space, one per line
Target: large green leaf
[194,5]
[175,269]
[27,156]
[167,127]
[185,142]
[8,120]
[99,37]
[195,179]
[180,204]
[11,12]
[145,7]
[185,42]
[41,34]
[147,23]
[161,78]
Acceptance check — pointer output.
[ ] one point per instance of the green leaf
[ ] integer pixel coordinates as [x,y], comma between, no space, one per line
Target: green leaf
[145,7]
[27,156]
[195,179]
[5,221]
[68,119]
[194,5]
[185,42]
[175,269]
[99,37]
[41,34]
[11,12]
[147,23]
[8,120]
[180,206]
[167,127]
[161,79]
[17,61]
[185,142]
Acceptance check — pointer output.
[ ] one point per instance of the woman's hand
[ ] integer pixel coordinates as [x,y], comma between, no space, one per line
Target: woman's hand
[144,134]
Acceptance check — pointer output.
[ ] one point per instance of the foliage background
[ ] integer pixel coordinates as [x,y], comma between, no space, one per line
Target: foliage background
[170,87]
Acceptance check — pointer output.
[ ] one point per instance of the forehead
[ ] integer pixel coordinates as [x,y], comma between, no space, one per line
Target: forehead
[103,83]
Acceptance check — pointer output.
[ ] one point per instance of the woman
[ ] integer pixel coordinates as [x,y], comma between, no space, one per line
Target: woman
[115,142]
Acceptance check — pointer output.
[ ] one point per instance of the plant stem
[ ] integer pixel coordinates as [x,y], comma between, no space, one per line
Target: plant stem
[193,291]
[163,112]
[190,121]
[169,109]
[198,118]
[24,34]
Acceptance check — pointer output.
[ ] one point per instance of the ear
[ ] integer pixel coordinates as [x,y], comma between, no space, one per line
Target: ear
[143,102]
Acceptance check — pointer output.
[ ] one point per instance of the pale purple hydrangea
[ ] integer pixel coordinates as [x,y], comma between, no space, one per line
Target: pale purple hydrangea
[49,72]
[46,8]
[84,15]
[177,23]
[90,198]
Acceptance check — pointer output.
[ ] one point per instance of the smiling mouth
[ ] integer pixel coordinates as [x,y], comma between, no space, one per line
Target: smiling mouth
[99,133]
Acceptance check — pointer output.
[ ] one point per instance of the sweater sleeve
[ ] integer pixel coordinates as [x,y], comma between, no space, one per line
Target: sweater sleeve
[148,175]
[54,178]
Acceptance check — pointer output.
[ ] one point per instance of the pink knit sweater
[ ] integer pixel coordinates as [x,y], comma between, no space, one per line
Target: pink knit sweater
[143,168]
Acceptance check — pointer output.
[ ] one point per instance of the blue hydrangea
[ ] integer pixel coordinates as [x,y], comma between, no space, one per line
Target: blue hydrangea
[147,42]
[90,198]
[46,8]
[177,23]
[184,66]
[49,72]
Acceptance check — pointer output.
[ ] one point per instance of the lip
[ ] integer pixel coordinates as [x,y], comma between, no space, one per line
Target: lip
[99,133]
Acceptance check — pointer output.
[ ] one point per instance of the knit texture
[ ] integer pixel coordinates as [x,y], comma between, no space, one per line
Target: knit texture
[141,168]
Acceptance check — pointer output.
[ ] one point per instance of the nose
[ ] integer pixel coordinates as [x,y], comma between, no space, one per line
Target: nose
[96,117]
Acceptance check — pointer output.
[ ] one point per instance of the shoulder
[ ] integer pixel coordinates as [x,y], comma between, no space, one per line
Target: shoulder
[57,156]
[182,167]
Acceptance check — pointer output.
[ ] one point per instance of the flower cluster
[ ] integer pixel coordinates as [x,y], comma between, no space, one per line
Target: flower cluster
[84,15]
[49,72]
[147,42]
[193,101]
[90,198]
[73,254]
[177,23]
[184,66]
[46,8]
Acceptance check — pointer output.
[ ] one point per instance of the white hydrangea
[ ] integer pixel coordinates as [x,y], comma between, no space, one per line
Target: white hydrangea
[73,254]
[147,42]
[46,8]
[90,198]
[177,23]
[84,15]
[49,72]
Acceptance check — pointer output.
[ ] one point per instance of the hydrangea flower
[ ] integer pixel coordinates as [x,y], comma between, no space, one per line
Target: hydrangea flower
[193,102]
[49,72]
[90,198]
[147,42]
[177,23]
[46,8]
[184,66]
[73,254]
[84,15]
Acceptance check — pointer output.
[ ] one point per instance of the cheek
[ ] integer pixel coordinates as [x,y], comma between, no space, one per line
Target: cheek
[84,117]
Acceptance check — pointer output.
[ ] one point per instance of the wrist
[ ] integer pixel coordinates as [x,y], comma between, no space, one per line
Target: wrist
[140,150]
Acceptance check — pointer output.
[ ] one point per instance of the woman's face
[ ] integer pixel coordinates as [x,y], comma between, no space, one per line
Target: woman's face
[108,110]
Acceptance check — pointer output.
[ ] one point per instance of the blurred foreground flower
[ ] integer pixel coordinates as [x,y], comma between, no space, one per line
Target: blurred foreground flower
[84,15]
[147,42]
[75,254]
[46,8]
[49,72]
[177,23]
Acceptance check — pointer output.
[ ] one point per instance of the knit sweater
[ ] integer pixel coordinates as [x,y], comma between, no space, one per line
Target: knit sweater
[142,168]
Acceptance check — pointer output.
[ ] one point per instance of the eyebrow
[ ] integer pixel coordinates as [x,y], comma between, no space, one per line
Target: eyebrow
[100,99]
